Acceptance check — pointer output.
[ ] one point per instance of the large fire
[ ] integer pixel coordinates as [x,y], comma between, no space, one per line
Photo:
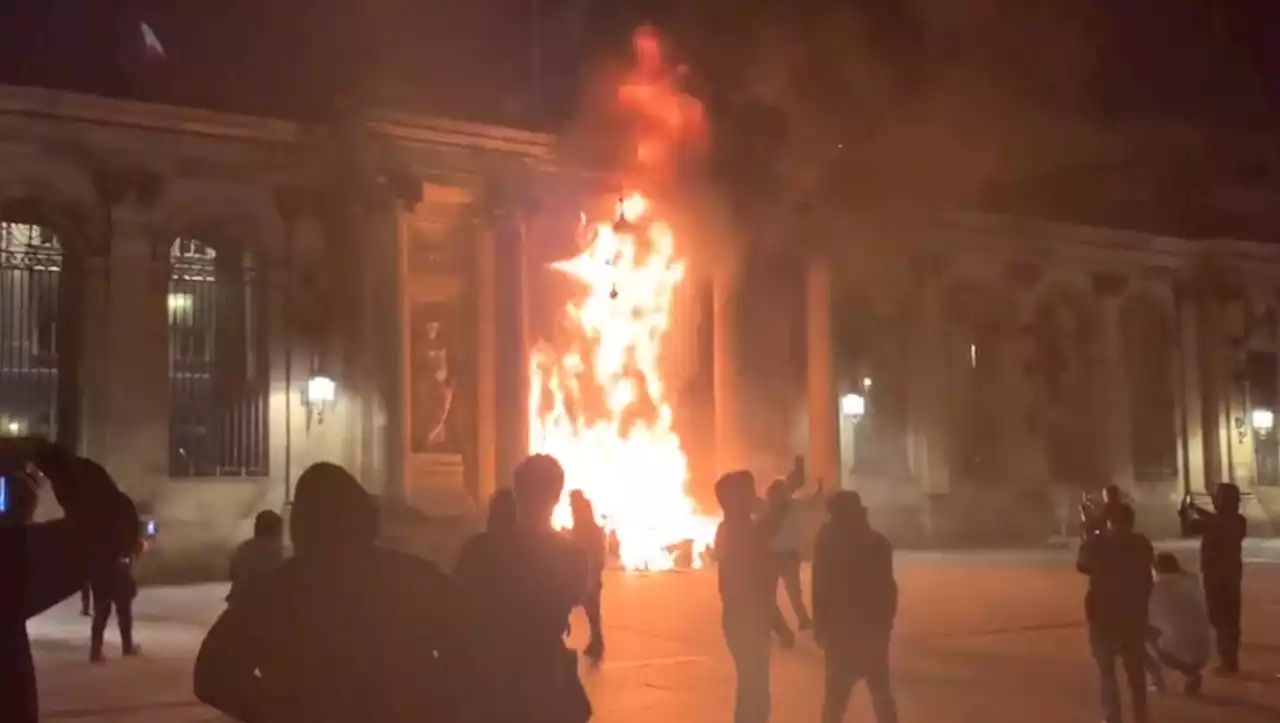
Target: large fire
[597,399]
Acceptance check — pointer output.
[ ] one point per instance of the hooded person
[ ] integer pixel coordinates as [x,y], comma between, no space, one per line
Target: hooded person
[345,631]
[855,601]
[479,554]
[259,554]
[748,601]
[47,562]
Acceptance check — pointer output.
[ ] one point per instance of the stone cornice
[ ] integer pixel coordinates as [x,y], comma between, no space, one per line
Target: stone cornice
[40,103]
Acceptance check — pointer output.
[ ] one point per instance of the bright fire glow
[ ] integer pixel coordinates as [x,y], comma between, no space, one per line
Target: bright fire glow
[597,401]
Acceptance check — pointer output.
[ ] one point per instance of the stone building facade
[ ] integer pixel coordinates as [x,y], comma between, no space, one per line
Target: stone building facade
[1001,366]
[172,280]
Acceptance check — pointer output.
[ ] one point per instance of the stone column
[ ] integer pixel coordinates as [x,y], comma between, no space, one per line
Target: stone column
[1118,425]
[136,398]
[725,377]
[383,310]
[824,419]
[511,343]
[928,395]
[1191,438]
[487,407]
[95,345]
[1214,427]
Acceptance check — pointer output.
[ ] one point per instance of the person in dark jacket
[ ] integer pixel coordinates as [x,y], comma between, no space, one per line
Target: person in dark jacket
[855,601]
[345,631]
[258,555]
[747,591]
[548,573]
[114,587]
[1118,563]
[48,562]
[590,536]
[1222,534]
[1095,513]
[480,553]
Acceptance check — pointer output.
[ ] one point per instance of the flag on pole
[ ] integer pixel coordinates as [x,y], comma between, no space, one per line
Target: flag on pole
[151,43]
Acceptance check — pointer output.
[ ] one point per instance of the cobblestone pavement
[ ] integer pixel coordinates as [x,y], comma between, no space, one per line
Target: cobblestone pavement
[982,637]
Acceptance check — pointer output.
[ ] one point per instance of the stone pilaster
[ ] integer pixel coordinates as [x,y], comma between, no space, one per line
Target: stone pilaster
[928,393]
[824,450]
[725,375]
[1214,420]
[488,411]
[1115,397]
[136,396]
[511,341]
[382,360]
[1191,429]
[95,347]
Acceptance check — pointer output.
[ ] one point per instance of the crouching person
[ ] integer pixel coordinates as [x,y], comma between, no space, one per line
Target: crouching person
[1179,624]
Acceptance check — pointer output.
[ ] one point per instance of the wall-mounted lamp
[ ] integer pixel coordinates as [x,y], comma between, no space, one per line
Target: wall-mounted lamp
[320,394]
[1262,420]
[853,406]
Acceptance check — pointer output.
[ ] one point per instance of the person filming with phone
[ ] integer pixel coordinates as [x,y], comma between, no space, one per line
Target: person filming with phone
[45,563]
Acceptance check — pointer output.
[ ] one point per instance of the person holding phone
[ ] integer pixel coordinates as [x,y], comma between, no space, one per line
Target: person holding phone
[791,513]
[48,562]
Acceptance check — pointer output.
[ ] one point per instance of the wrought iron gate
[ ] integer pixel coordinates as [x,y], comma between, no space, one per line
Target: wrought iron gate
[217,365]
[31,263]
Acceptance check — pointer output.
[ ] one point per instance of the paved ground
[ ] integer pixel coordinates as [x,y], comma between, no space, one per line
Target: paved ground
[983,637]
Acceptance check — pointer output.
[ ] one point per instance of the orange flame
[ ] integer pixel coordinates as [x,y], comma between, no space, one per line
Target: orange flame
[598,404]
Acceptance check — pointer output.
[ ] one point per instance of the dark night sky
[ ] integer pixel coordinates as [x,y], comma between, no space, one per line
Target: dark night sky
[1196,58]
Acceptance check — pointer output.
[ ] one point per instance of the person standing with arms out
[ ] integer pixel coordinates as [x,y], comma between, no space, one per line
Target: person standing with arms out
[1118,563]
[591,538]
[747,591]
[855,601]
[257,555]
[1179,625]
[1222,534]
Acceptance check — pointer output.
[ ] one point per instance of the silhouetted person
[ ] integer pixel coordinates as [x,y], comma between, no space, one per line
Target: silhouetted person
[344,631]
[481,554]
[786,544]
[1095,513]
[747,591]
[1118,563]
[591,538]
[46,563]
[548,574]
[86,600]
[1222,534]
[855,601]
[1179,625]
[114,587]
[258,555]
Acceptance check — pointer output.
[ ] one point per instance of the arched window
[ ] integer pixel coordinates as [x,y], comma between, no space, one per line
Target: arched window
[31,264]
[218,372]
